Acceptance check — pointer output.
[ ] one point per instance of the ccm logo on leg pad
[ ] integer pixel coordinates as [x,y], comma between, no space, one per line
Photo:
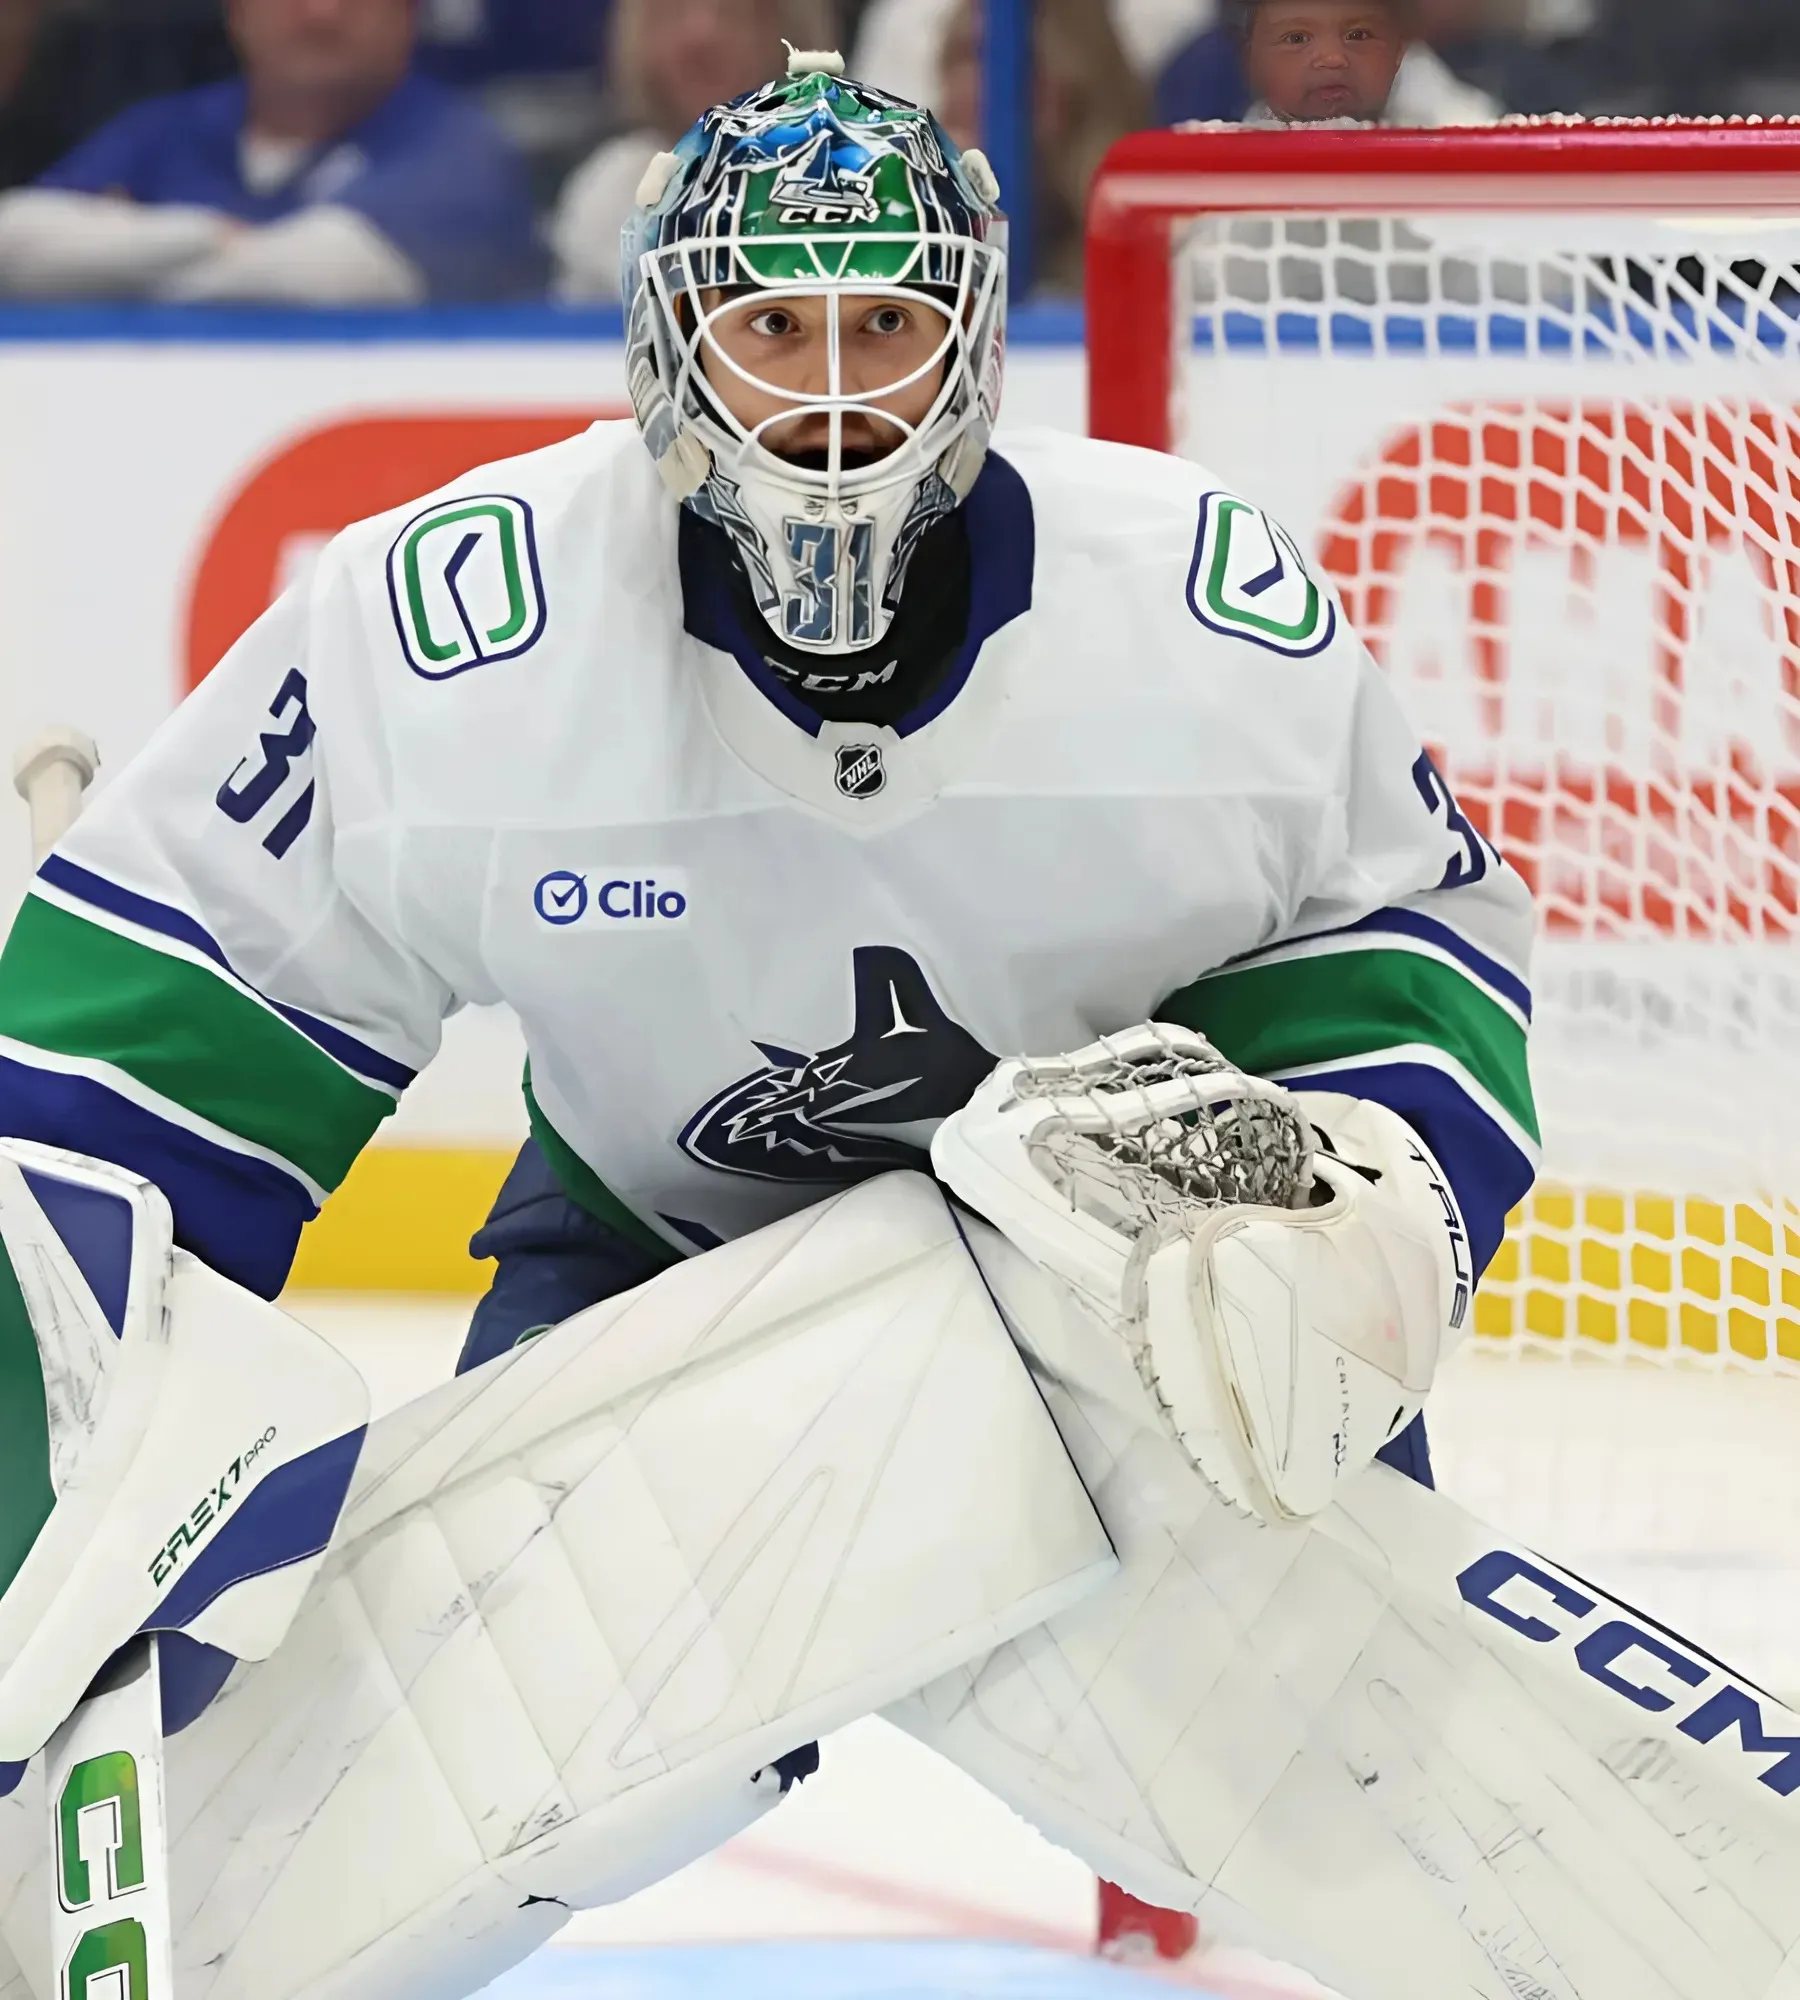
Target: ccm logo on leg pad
[1648,1668]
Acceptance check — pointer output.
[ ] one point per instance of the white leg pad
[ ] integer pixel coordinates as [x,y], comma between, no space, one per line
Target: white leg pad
[1386,1745]
[580,1598]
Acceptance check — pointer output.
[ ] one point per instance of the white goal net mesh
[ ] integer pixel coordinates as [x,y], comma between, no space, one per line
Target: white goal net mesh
[1552,462]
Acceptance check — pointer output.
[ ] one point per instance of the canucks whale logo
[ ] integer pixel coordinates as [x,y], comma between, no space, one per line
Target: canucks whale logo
[865,1106]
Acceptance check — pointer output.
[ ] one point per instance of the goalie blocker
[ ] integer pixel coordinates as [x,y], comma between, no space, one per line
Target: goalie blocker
[176,1450]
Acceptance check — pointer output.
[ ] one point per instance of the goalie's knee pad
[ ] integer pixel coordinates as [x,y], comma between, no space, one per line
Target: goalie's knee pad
[587,1599]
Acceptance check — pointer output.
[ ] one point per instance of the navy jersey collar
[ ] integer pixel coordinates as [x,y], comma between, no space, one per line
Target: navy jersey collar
[1002,560]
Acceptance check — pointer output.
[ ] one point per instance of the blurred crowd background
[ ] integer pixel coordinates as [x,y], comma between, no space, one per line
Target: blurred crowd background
[384,152]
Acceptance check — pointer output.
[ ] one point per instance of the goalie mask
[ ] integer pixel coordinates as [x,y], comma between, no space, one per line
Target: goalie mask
[784,208]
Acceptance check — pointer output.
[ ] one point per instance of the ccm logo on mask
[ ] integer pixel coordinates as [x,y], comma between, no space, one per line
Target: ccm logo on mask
[1645,1666]
[564,897]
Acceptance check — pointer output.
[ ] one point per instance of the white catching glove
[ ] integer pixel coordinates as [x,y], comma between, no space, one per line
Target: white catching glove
[1288,1280]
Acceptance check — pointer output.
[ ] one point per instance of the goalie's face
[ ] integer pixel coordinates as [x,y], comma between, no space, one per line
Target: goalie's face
[826,378]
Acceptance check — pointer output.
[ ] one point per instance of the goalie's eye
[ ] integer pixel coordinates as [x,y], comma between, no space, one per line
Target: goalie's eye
[774,323]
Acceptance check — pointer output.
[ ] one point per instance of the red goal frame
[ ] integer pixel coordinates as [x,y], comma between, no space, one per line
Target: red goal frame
[1152,182]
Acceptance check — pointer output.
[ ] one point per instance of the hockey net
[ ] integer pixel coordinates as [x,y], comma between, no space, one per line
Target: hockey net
[1532,396]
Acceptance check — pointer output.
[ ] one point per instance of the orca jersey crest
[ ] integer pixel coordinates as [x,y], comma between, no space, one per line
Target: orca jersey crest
[830,1117]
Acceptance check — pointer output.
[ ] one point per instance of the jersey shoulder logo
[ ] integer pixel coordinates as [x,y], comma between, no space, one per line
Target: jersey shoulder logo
[866,1105]
[1249,581]
[464,582]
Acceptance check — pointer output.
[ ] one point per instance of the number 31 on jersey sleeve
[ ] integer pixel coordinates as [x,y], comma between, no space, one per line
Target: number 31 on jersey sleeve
[243,797]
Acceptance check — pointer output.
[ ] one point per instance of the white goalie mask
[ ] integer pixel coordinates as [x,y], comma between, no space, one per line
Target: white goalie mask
[817,189]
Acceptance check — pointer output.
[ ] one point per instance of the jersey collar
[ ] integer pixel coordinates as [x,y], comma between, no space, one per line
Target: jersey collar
[1002,559]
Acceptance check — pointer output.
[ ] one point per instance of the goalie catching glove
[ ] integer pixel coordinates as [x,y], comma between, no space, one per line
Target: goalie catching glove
[1288,1281]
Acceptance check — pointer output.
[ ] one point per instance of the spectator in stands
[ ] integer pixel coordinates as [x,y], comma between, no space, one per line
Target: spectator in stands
[1693,60]
[328,173]
[1086,96]
[1533,56]
[1278,46]
[476,42]
[1204,81]
[669,61]
[19,22]
[77,63]
[899,43]
[537,66]
[1312,60]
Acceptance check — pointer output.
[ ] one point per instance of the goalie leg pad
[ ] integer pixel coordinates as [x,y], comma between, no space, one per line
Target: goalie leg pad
[584,1595]
[179,1449]
[1385,1745]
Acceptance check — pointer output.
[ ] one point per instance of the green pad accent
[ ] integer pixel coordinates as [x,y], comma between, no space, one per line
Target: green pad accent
[1301,1011]
[78,989]
[120,1946]
[26,1495]
[586,1189]
[110,1778]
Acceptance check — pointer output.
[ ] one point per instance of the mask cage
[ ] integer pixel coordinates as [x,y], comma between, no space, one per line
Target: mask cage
[958,278]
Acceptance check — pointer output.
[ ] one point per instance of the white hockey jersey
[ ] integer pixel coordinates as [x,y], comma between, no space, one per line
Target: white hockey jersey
[499,749]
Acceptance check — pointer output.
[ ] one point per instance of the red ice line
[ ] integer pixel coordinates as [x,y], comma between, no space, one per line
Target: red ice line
[953,1914]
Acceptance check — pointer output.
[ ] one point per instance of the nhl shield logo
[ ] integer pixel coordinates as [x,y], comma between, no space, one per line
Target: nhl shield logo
[860,770]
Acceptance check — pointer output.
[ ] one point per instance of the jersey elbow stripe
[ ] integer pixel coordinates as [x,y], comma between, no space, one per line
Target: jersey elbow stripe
[53,1076]
[1401,930]
[1354,1075]
[237,1208]
[1478,964]
[1343,1006]
[81,992]
[82,885]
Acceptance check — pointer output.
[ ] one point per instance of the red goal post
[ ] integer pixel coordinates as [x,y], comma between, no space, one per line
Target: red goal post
[1531,396]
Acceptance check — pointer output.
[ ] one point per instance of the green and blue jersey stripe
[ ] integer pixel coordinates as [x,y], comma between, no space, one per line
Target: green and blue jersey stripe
[1403,1009]
[125,1033]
